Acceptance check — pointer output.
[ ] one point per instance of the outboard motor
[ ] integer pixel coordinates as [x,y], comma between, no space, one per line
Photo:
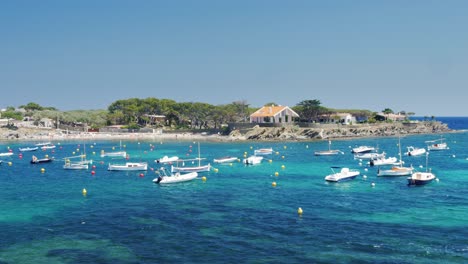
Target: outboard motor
[159,179]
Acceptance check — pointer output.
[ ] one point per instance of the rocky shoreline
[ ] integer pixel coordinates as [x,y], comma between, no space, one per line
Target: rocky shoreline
[341,131]
[287,133]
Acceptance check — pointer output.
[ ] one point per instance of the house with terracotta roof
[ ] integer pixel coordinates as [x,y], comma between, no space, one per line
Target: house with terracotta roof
[273,114]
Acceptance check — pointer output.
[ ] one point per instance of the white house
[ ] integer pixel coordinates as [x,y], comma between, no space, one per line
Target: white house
[273,114]
[343,118]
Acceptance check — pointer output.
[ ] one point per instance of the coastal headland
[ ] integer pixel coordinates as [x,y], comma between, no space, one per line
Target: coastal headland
[257,133]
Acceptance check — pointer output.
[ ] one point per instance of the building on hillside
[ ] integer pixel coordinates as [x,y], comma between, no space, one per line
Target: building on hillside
[273,114]
[393,117]
[342,118]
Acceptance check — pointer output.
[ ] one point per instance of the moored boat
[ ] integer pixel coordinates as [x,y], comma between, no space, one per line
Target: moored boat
[252,160]
[344,174]
[413,151]
[362,149]
[263,151]
[328,152]
[26,149]
[35,160]
[174,177]
[128,166]
[422,178]
[227,159]
[438,144]
[167,159]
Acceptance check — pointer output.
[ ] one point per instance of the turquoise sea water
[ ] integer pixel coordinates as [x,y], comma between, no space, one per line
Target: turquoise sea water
[236,216]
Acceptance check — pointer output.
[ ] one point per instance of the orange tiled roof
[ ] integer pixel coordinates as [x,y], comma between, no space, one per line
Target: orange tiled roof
[268,111]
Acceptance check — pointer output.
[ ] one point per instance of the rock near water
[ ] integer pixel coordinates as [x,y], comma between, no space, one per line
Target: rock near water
[341,131]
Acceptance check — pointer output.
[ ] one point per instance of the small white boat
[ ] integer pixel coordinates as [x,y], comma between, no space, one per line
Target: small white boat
[344,174]
[129,166]
[6,154]
[191,168]
[252,160]
[383,161]
[167,159]
[45,147]
[75,166]
[26,149]
[369,156]
[362,149]
[421,178]
[174,178]
[412,151]
[263,151]
[43,144]
[438,144]
[198,168]
[328,152]
[228,159]
[396,171]
[122,154]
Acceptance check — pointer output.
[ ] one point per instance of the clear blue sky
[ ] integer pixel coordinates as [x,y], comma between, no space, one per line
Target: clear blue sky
[404,55]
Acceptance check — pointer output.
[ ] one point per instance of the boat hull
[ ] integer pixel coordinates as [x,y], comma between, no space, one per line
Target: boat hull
[128,167]
[176,178]
[191,169]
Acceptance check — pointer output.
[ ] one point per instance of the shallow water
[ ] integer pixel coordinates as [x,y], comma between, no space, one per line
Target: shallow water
[236,215]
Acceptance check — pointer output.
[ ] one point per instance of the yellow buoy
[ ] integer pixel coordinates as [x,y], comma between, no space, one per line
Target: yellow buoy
[299,211]
[283,167]
[251,147]
[285,147]
[282,157]
[94,153]
[92,146]
[84,192]
[73,152]
[42,170]
[277,153]
[273,184]
[113,148]
[47,156]
[10,163]
[77,150]
[270,161]
[203,178]
[215,170]
[230,164]
[276,174]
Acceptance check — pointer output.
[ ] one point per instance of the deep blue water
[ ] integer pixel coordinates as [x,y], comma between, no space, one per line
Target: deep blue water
[457,123]
[236,216]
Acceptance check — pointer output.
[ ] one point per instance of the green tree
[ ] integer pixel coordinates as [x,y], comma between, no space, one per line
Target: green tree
[309,109]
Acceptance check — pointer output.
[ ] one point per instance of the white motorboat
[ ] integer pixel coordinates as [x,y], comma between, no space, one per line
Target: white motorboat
[370,155]
[122,154]
[26,149]
[174,178]
[167,159]
[412,151]
[263,151]
[328,152]
[252,160]
[129,166]
[227,159]
[438,144]
[422,178]
[45,147]
[362,149]
[43,144]
[6,154]
[344,174]
[383,161]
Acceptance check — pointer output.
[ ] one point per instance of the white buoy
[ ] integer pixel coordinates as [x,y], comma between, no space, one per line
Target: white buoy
[365,169]
[372,184]
[421,166]
[453,156]
[437,179]
[364,176]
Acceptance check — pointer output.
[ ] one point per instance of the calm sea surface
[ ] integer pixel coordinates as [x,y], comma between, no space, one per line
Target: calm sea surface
[236,216]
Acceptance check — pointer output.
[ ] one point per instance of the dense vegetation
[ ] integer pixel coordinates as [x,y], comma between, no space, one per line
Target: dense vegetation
[154,112]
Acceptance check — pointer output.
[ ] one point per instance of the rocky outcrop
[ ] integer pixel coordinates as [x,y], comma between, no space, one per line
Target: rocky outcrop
[341,131]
